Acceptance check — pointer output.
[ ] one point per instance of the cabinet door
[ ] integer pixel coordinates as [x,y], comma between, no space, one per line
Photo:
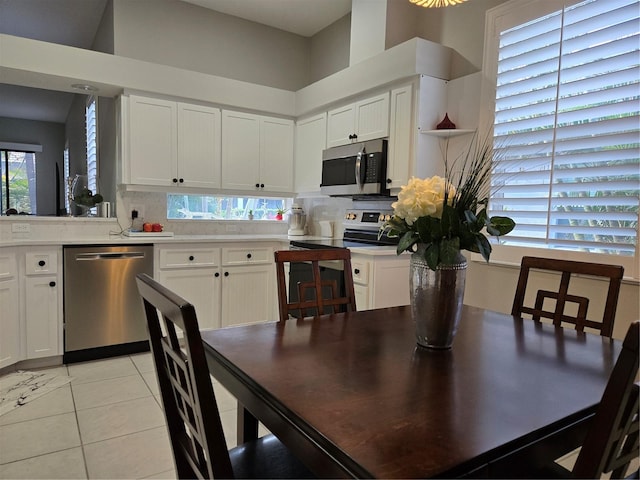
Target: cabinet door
[311,140]
[201,288]
[9,323]
[391,283]
[152,141]
[362,297]
[372,117]
[42,315]
[248,294]
[199,147]
[401,132]
[240,150]
[341,123]
[276,154]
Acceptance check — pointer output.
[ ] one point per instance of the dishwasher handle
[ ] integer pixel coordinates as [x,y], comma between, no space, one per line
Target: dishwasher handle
[109,255]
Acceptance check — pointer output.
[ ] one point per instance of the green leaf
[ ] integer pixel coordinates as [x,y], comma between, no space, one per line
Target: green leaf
[484,246]
[500,225]
[429,229]
[432,256]
[482,219]
[449,249]
[406,242]
[470,217]
[450,223]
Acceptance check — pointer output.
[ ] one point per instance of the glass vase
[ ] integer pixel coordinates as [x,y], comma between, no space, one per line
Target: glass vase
[436,299]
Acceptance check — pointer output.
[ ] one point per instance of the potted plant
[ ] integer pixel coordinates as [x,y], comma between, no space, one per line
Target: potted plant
[250,215]
[279,213]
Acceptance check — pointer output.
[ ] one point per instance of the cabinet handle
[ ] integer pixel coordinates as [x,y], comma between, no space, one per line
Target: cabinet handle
[42,263]
[217,274]
[389,180]
[257,185]
[226,274]
[357,271]
[52,284]
[181,180]
[191,258]
[262,185]
[174,180]
[248,255]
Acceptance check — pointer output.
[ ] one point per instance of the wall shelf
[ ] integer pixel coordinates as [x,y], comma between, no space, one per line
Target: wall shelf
[447,133]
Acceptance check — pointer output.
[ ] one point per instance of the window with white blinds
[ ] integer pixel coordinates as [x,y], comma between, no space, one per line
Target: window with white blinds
[92,144]
[566,128]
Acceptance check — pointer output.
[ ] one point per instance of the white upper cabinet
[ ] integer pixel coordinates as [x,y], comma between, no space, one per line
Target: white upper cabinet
[276,154]
[311,140]
[401,134]
[364,120]
[257,152]
[152,138]
[199,146]
[171,143]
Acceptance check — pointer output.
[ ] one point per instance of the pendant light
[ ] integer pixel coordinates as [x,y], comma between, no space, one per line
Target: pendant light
[436,3]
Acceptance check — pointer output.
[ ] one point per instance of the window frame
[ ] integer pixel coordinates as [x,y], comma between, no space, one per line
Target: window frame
[497,19]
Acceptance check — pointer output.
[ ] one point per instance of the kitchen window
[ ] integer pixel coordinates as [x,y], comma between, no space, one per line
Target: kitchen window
[566,123]
[208,207]
[18,168]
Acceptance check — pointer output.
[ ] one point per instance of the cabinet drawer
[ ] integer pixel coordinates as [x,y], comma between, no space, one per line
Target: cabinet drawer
[41,263]
[189,257]
[360,271]
[8,265]
[247,255]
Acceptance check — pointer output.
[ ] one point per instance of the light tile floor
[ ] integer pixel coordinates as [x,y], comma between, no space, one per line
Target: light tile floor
[107,423]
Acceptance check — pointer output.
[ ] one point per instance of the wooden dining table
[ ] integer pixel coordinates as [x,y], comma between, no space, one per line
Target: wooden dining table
[353,396]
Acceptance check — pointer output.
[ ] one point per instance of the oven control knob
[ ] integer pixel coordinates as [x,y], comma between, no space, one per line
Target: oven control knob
[387,217]
[353,216]
[381,218]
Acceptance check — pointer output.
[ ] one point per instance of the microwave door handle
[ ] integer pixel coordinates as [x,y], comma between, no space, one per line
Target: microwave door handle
[359,169]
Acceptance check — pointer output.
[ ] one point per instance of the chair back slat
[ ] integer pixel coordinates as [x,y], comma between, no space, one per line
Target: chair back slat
[318,293]
[612,439]
[562,297]
[189,403]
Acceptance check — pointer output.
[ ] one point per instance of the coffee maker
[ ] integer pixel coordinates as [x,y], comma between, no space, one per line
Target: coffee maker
[297,219]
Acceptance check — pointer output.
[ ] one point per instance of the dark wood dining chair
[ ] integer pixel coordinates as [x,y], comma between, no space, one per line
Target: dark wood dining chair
[611,442]
[317,295]
[568,269]
[197,439]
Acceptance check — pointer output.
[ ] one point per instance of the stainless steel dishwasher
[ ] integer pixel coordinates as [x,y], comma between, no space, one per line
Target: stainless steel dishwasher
[103,313]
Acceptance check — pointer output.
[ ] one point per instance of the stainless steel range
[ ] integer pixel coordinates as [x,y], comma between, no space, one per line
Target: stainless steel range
[361,229]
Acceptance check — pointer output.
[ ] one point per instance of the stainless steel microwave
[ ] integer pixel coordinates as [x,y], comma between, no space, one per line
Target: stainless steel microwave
[356,169]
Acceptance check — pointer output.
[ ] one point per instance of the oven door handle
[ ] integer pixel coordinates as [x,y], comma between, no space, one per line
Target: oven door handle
[360,168]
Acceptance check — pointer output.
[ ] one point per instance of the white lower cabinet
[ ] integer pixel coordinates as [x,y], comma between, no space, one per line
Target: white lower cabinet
[380,281]
[10,316]
[248,294]
[41,316]
[42,289]
[226,285]
[31,299]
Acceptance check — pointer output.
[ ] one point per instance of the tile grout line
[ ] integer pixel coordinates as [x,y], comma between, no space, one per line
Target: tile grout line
[75,412]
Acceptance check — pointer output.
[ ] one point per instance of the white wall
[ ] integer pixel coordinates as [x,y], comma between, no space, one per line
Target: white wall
[187,36]
[493,287]
[330,49]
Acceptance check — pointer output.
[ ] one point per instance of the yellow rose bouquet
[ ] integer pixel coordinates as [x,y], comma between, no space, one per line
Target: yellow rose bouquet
[448,214]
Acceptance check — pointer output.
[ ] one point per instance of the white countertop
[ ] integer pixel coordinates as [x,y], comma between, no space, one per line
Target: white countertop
[119,239]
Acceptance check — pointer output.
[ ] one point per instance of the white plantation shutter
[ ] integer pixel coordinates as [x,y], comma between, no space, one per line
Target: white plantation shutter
[92,144]
[567,126]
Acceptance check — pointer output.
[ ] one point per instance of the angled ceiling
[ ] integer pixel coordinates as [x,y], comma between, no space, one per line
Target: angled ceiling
[75,22]
[303,17]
